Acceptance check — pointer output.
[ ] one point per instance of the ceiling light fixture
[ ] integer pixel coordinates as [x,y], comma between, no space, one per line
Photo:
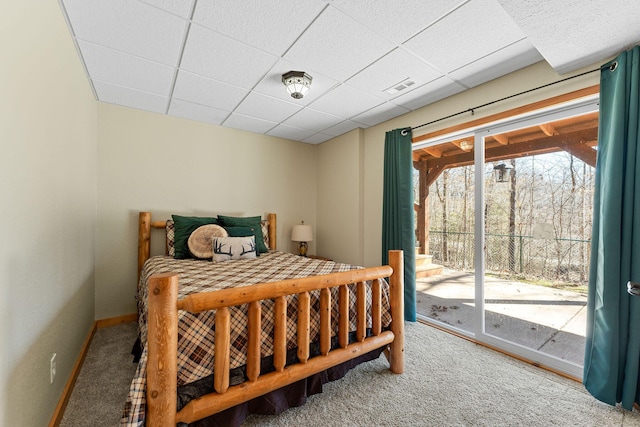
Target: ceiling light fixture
[297,83]
[466,145]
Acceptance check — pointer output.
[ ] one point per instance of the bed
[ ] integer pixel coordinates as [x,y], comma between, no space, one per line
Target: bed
[222,335]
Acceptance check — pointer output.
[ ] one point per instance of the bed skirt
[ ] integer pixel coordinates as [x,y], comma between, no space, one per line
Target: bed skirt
[274,402]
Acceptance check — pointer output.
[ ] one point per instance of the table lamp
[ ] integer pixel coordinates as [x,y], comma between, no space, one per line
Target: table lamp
[302,233]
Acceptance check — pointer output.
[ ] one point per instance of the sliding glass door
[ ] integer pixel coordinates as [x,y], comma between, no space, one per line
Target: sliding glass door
[509,222]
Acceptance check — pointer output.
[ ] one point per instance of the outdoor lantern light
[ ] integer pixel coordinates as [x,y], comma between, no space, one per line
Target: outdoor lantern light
[297,83]
[502,172]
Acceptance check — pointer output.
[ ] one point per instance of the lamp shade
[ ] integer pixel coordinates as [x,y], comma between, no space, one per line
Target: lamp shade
[302,233]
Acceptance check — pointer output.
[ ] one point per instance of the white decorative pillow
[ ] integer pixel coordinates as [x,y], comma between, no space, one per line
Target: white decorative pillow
[228,248]
[200,241]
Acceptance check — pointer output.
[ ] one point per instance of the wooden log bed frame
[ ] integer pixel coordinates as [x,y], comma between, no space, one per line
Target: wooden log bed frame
[161,389]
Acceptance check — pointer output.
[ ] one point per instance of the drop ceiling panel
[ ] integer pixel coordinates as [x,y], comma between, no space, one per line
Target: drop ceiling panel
[337,46]
[396,20]
[313,120]
[290,132]
[129,26]
[130,97]
[381,113]
[270,25]
[200,90]
[181,8]
[499,63]
[574,34]
[463,36]
[122,69]
[346,102]
[385,73]
[251,124]
[317,138]
[343,127]
[200,113]
[267,108]
[216,56]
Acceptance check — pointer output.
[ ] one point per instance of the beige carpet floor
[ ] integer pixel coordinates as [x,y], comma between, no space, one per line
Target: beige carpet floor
[448,382]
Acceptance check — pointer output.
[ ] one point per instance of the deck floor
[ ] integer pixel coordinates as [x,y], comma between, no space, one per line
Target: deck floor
[546,319]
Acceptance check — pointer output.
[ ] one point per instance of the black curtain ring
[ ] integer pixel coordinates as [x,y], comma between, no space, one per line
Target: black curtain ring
[613,66]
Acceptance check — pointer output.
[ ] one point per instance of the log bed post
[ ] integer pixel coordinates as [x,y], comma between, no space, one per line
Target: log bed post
[396,288]
[272,230]
[162,342]
[144,239]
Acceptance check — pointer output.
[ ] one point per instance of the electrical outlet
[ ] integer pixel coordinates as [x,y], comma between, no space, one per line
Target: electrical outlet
[52,367]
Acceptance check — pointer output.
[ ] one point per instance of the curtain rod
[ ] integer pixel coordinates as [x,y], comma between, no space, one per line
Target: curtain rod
[611,67]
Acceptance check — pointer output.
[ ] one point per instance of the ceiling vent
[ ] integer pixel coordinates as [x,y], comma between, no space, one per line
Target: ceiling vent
[398,87]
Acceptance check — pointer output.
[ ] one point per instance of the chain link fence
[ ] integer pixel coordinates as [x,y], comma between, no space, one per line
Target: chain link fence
[563,260]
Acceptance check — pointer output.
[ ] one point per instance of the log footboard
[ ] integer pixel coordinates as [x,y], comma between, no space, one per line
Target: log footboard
[163,332]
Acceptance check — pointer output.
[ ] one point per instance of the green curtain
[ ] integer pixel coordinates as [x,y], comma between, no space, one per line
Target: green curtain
[612,353]
[398,227]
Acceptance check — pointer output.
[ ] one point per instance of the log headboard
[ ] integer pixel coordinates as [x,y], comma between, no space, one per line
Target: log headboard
[145,224]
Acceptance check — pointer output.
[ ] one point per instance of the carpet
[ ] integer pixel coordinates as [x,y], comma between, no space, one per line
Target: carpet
[448,381]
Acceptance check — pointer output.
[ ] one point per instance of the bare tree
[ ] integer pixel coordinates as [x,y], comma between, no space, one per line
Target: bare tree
[512,218]
[443,196]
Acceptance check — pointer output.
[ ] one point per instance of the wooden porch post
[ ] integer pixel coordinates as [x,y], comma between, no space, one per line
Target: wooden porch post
[422,220]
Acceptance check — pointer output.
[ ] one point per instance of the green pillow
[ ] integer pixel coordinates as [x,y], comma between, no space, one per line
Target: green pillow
[183,227]
[251,222]
[239,231]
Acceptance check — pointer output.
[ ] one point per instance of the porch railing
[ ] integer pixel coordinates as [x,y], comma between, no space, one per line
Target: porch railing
[564,259]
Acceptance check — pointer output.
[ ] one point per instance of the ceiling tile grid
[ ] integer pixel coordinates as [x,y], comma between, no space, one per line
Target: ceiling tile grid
[126,70]
[213,55]
[269,25]
[449,47]
[267,107]
[201,90]
[249,123]
[128,26]
[133,98]
[221,61]
[197,112]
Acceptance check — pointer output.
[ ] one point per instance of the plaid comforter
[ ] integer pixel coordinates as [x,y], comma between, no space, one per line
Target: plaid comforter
[195,331]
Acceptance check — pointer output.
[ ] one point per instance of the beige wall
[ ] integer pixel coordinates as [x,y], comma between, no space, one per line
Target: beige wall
[340,198]
[170,165]
[48,120]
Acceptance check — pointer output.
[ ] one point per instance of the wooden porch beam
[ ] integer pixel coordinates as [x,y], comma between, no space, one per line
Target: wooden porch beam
[548,129]
[502,139]
[583,152]
[539,146]
[433,151]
